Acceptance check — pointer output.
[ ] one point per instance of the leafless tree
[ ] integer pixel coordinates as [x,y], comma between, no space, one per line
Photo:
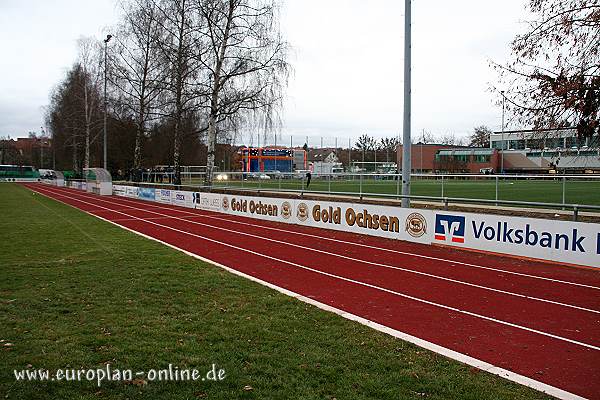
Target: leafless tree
[451,139]
[73,115]
[425,137]
[553,80]
[89,60]
[138,71]
[389,145]
[480,137]
[246,66]
[180,48]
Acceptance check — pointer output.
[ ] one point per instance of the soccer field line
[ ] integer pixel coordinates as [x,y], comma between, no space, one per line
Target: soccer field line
[339,277]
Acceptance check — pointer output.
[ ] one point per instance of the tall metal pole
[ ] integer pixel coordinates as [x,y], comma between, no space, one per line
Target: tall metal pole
[406,148]
[502,151]
[53,149]
[349,154]
[105,101]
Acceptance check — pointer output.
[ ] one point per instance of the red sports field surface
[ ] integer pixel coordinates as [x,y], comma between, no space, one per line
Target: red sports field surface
[536,319]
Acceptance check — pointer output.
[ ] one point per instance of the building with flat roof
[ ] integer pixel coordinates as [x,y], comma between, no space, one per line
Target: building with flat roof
[546,150]
[540,139]
[430,158]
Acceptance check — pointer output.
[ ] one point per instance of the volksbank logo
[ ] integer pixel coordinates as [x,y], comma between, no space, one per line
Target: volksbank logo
[450,228]
[528,236]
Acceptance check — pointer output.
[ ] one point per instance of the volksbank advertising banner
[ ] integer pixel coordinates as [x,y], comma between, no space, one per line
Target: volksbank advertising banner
[569,242]
[561,241]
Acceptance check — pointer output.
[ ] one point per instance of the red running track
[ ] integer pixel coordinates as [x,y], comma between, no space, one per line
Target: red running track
[535,319]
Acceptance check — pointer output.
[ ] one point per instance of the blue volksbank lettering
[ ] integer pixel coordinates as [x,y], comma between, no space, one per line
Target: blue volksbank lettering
[530,237]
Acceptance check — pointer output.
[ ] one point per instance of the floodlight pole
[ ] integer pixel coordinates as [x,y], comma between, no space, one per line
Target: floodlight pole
[502,153]
[105,102]
[406,143]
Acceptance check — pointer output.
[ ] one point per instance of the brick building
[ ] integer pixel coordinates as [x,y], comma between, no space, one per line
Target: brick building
[430,158]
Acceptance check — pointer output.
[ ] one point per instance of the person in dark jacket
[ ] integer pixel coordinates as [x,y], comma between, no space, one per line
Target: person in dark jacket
[308,176]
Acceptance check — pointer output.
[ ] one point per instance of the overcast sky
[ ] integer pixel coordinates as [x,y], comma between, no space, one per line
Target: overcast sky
[348,62]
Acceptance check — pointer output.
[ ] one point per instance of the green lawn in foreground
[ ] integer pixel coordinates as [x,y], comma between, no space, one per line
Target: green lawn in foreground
[77,292]
[547,191]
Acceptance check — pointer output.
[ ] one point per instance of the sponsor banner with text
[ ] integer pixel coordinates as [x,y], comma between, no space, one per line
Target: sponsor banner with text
[120,190]
[272,209]
[163,196]
[147,193]
[182,198]
[207,201]
[132,191]
[560,241]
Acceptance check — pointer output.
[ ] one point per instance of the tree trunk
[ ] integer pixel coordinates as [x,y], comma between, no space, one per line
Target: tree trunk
[210,155]
[86,159]
[176,154]
[214,102]
[137,151]
[75,166]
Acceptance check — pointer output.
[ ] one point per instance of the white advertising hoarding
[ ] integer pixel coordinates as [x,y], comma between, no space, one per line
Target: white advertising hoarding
[560,241]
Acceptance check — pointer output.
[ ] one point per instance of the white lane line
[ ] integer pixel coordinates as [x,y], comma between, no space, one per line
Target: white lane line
[444,260]
[132,219]
[399,294]
[454,355]
[358,260]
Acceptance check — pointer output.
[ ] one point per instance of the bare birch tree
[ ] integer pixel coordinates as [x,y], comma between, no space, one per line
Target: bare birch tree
[179,46]
[246,66]
[89,59]
[138,72]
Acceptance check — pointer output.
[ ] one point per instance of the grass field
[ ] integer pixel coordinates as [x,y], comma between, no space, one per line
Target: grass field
[77,292]
[547,191]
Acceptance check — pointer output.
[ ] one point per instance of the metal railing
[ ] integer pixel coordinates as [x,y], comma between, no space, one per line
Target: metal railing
[530,191]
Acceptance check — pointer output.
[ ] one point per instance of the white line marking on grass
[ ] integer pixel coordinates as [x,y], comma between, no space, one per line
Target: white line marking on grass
[454,355]
[358,260]
[360,283]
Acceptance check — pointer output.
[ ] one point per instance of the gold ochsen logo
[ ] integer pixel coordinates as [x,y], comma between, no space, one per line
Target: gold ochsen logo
[416,225]
[225,203]
[286,210]
[302,212]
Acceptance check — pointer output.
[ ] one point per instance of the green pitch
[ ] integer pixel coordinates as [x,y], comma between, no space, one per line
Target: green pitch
[77,292]
[547,191]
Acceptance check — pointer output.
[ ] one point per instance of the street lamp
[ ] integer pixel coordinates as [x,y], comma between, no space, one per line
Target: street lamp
[108,37]
[502,152]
